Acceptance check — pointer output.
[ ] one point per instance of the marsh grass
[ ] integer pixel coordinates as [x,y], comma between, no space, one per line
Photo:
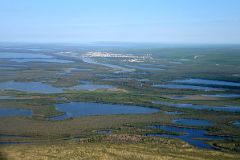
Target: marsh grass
[128,147]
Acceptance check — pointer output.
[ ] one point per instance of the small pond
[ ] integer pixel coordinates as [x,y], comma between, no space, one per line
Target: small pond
[237,123]
[172,112]
[104,131]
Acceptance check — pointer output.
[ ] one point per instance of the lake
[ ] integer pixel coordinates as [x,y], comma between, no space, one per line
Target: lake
[195,137]
[192,122]
[119,69]
[49,60]
[37,87]
[40,87]
[191,87]
[223,95]
[144,68]
[6,97]
[5,112]
[195,84]
[237,123]
[31,57]
[14,55]
[207,82]
[80,109]
[199,107]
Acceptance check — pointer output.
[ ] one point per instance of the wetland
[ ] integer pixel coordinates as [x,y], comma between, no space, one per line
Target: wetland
[81,96]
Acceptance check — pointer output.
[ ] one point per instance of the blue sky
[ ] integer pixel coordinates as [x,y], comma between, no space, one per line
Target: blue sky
[163,21]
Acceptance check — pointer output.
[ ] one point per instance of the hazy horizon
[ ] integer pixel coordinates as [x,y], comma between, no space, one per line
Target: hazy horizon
[153,21]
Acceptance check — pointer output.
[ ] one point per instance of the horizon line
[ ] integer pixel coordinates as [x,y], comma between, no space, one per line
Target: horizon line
[119,42]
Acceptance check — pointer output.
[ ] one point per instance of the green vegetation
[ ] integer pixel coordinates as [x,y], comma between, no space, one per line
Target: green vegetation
[77,137]
[114,147]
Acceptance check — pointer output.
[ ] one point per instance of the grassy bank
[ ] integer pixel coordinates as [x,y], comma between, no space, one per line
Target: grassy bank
[114,147]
